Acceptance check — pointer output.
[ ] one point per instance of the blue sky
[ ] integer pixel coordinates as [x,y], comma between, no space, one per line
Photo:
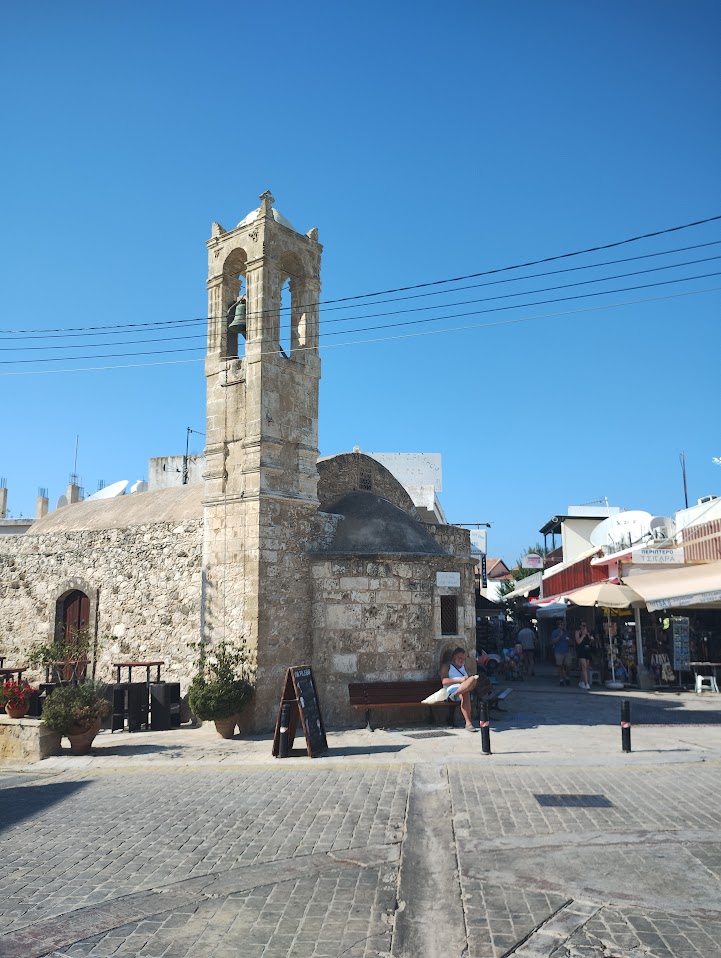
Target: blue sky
[425,142]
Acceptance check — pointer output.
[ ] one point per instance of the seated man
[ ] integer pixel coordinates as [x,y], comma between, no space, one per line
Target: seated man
[453,674]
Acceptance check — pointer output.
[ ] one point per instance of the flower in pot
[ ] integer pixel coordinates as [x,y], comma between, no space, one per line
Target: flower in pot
[15,696]
[77,712]
[222,686]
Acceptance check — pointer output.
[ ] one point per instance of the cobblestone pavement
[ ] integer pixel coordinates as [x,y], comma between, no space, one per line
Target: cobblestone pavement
[645,840]
[547,848]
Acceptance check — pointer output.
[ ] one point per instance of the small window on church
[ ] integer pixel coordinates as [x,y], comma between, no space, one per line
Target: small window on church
[449,615]
[365,480]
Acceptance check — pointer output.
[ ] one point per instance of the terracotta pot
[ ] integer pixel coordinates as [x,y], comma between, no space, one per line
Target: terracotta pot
[226,727]
[16,712]
[81,742]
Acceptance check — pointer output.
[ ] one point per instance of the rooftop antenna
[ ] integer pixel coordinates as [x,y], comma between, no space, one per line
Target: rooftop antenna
[187,451]
[682,459]
[74,480]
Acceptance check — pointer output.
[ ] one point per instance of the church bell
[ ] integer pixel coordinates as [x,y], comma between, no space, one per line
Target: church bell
[237,323]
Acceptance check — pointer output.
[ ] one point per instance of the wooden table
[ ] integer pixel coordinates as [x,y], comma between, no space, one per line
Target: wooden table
[7,673]
[139,665]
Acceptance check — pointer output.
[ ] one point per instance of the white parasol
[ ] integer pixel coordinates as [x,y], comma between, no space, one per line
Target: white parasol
[606,595]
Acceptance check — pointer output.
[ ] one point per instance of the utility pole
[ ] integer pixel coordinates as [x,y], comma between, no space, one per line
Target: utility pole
[682,457]
[187,452]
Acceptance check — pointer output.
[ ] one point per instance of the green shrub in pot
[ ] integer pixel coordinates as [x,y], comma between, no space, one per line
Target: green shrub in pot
[223,683]
[74,709]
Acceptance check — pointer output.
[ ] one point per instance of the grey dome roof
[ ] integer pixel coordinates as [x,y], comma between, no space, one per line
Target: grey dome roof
[372,525]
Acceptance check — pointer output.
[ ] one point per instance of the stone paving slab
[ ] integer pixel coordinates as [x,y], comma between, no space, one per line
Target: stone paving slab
[101,837]
[617,933]
[340,911]
[655,845]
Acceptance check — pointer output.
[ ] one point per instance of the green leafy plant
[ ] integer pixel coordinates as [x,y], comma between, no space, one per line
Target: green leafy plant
[73,709]
[68,654]
[16,694]
[66,648]
[223,683]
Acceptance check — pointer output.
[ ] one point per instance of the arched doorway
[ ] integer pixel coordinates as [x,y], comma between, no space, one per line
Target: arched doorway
[73,632]
[75,616]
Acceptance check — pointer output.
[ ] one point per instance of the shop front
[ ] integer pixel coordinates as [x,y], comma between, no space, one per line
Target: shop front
[681,623]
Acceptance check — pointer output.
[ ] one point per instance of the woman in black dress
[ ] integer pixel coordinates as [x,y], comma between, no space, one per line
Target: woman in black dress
[584,647]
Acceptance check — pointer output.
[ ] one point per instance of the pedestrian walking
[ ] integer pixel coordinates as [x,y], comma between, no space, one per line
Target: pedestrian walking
[527,639]
[562,651]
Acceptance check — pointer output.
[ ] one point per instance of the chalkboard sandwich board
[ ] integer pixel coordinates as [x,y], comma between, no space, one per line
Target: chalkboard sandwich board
[300,693]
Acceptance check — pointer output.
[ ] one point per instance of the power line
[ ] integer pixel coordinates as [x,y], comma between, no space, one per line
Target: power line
[163,352]
[383,339]
[400,289]
[586,282]
[121,328]
[542,302]
[536,262]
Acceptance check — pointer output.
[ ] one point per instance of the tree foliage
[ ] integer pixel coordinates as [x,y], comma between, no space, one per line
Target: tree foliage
[518,573]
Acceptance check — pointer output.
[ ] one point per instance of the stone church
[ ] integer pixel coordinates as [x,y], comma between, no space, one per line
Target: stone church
[321,562]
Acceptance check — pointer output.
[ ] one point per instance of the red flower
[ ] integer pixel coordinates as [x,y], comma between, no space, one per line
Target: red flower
[16,694]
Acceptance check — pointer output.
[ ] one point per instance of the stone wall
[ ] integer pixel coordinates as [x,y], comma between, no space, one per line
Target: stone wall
[454,540]
[377,618]
[26,740]
[354,471]
[144,583]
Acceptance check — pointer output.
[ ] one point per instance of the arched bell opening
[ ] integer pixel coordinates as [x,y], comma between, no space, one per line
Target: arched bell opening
[234,307]
[285,345]
[292,306]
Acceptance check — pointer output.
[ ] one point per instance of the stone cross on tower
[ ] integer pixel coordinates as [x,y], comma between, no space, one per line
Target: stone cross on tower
[261,444]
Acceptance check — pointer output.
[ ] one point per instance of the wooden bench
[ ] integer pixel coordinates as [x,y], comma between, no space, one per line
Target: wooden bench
[410,694]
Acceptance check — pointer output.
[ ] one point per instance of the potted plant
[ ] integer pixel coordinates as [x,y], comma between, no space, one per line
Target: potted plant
[15,696]
[222,686]
[77,712]
[66,657]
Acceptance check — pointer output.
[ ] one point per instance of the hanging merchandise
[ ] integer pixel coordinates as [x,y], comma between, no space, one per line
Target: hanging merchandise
[662,668]
[617,672]
[680,633]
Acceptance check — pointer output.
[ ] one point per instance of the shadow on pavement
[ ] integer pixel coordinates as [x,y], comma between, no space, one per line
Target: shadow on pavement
[134,748]
[20,802]
[363,750]
[664,712]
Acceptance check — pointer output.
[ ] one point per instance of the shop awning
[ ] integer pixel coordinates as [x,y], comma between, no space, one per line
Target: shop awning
[524,586]
[696,585]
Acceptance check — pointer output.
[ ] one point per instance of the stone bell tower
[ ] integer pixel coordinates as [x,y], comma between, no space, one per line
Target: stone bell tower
[260,499]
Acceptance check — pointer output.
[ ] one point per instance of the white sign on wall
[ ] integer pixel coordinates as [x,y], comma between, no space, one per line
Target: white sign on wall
[452,579]
[532,561]
[479,542]
[657,556]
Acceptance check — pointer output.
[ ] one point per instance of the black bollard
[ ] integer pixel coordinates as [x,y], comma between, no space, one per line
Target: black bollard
[485,730]
[284,723]
[626,725]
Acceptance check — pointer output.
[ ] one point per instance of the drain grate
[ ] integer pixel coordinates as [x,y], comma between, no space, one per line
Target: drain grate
[574,801]
[439,734]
